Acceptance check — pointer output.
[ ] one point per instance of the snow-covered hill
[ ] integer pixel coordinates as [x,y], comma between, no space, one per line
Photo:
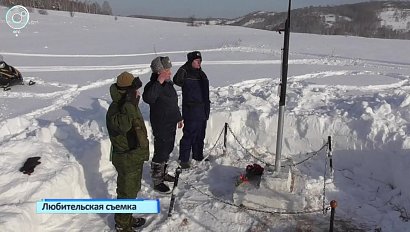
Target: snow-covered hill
[379,19]
[396,19]
[354,89]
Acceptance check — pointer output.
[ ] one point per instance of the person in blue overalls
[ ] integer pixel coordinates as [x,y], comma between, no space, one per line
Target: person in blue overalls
[195,108]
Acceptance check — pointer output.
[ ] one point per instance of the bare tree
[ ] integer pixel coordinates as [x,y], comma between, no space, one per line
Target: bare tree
[61,5]
[191,21]
[106,8]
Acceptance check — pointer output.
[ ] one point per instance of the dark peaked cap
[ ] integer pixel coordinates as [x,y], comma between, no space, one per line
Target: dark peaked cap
[194,55]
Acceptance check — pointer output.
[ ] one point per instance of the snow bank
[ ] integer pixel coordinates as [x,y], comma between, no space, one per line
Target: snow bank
[378,122]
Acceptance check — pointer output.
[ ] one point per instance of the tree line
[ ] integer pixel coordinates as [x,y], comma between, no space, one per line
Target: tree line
[359,19]
[63,5]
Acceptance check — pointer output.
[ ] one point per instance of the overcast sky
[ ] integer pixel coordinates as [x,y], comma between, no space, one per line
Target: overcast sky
[210,8]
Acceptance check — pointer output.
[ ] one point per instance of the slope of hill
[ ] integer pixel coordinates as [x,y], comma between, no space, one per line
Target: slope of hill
[384,19]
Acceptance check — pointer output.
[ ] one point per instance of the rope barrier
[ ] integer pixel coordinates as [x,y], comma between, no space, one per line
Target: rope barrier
[310,157]
[216,142]
[313,154]
[237,140]
[243,207]
[253,209]
[324,187]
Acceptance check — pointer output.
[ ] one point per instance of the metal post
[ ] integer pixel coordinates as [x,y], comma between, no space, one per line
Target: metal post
[281,118]
[111,153]
[333,205]
[171,204]
[282,99]
[225,134]
[329,155]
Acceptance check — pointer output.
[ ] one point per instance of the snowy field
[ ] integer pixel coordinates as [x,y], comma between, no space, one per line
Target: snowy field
[354,89]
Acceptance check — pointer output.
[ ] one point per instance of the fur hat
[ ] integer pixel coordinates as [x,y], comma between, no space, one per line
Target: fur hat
[127,80]
[193,55]
[160,63]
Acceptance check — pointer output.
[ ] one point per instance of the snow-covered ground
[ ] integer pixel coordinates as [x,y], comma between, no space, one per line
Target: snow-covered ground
[354,89]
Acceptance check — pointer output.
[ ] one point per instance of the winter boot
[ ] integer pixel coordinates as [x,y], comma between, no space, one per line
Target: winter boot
[162,188]
[157,174]
[202,159]
[185,165]
[119,228]
[168,177]
[137,222]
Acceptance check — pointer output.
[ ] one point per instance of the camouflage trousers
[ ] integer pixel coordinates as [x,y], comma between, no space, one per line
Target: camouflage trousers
[129,167]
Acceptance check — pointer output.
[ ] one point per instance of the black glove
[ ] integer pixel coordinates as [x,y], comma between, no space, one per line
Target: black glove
[29,165]
[136,83]
[132,96]
[132,92]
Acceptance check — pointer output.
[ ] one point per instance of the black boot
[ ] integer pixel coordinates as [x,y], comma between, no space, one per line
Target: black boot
[185,165]
[168,177]
[119,228]
[137,222]
[157,175]
[162,188]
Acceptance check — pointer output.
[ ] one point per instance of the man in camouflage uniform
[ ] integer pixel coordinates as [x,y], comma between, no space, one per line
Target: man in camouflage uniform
[130,147]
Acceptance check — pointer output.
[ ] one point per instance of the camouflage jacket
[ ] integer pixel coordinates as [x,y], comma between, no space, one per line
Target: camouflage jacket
[125,125]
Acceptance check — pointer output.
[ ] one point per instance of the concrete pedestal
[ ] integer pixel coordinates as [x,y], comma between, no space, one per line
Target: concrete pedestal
[272,191]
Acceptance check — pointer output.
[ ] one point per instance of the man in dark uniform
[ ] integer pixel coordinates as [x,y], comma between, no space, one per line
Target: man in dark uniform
[195,108]
[130,146]
[165,116]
